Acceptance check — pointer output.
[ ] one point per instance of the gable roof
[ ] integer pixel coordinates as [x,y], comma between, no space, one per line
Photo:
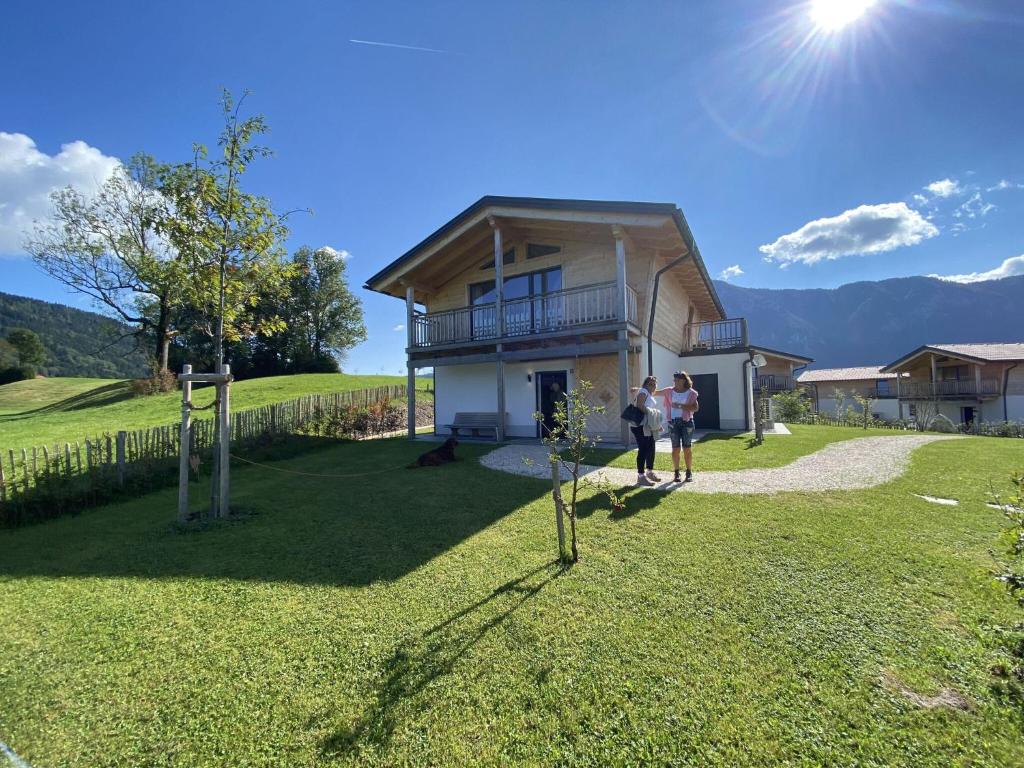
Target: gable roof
[992,352]
[786,355]
[557,204]
[859,373]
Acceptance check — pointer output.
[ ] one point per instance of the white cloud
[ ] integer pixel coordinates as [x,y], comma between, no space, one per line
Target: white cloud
[944,188]
[730,272]
[973,208]
[398,327]
[862,230]
[342,254]
[1002,184]
[28,176]
[1009,268]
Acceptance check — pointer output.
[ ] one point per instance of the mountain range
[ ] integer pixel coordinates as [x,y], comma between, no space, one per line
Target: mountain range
[873,323]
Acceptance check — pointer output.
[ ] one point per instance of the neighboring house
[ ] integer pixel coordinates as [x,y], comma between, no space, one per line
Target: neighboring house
[780,372]
[523,297]
[868,381]
[964,382]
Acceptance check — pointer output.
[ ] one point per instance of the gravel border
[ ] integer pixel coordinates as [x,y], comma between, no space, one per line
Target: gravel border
[863,462]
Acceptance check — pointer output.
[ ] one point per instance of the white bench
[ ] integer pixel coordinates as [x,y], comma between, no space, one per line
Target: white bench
[474,422]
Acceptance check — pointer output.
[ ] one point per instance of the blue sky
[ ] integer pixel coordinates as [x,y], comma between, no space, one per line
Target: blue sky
[890,147]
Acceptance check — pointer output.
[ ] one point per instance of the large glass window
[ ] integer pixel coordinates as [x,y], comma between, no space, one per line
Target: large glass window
[527,309]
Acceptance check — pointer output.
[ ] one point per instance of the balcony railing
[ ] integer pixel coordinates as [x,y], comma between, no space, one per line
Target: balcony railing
[715,336]
[544,313]
[953,388]
[771,382]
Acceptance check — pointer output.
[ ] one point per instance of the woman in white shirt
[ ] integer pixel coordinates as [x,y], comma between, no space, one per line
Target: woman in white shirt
[644,442]
[681,398]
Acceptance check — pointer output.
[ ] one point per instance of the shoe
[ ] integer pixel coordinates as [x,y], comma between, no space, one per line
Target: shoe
[689,476]
[653,477]
[676,478]
[642,480]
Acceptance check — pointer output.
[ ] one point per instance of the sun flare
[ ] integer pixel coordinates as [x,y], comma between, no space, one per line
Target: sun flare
[833,15]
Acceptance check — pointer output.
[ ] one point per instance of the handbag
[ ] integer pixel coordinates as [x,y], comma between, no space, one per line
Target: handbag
[633,415]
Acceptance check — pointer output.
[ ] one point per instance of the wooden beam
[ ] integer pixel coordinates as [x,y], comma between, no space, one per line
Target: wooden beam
[185,443]
[586,217]
[623,344]
[410,327]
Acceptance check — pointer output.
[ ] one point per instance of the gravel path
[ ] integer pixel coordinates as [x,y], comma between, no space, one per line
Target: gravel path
[859,463]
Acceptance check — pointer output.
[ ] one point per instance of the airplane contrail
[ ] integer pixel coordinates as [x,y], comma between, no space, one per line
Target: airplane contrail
[397,45]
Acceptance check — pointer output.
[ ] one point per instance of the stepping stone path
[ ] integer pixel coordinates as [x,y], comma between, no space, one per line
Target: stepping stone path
[847,465]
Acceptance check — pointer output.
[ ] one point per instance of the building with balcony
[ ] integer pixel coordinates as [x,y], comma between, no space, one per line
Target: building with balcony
[832,389]
[516,299]
[964,382]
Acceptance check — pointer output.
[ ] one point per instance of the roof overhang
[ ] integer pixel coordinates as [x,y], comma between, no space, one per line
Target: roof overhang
[461,240]
[925,349]
[784,355]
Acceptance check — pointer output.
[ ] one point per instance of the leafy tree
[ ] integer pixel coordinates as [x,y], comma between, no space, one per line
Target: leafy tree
[231,240]
[8,355]
[325,319]
[111,247]
[30,349]
[865,403]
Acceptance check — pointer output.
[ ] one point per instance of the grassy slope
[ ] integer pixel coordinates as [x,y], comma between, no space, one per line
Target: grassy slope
[722,451]
[426,624]
[52,410]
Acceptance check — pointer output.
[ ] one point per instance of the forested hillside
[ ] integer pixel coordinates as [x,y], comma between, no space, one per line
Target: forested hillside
[79,343]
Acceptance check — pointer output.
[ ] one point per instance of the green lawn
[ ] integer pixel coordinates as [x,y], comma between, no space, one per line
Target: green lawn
[46,411]
[415,617]
[723,451]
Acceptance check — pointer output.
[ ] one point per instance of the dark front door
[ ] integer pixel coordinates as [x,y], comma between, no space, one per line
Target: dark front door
[967,414]
[551,386]
[706,417]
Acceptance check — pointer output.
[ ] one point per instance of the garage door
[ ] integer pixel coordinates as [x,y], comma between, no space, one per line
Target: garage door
[707,417]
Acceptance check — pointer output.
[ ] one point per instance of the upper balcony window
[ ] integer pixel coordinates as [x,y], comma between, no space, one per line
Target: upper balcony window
[518,286]
[953,373]
[883,387]
[536,250]
[508,257]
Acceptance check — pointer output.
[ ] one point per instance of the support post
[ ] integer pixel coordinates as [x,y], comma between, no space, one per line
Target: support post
[410,317]
[223,509]
[623,385]
[499,324]
[186,429]
[620,272]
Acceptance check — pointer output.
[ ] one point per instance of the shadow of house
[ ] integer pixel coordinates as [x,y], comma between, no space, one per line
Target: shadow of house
[353,515]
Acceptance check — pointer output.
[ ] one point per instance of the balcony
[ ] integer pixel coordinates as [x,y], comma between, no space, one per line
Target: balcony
[717,336]
[772,383]
[926,390]
[567,309]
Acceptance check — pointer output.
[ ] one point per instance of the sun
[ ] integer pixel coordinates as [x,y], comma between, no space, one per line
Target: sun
[833,15]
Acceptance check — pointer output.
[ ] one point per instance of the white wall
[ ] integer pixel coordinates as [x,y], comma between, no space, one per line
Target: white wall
[459,388]
[887,408]
[735,396]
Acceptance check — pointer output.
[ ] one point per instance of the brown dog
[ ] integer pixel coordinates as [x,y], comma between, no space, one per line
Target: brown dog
[440,455]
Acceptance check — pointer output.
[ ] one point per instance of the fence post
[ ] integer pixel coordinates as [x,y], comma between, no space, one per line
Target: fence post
[225,442]
[121,461]
[186,428]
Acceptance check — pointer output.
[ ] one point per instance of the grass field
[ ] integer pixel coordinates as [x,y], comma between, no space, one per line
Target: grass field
[723,451]
[46,411]
[417,618]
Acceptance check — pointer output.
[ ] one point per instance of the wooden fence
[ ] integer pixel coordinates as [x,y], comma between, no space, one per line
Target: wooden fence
[72,475]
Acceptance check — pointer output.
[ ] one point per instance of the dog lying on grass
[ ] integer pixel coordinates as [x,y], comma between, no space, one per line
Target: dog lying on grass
[440,455]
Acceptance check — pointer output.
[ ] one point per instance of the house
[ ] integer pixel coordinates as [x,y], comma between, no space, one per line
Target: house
[963,382]
[780,371]
[516,299]
[867,381]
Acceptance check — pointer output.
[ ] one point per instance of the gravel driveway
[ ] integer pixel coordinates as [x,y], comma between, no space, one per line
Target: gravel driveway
[859,463]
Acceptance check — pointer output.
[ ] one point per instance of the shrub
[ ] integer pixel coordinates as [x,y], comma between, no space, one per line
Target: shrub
[791,406]
[1011,573]
[17,373]
[158,381]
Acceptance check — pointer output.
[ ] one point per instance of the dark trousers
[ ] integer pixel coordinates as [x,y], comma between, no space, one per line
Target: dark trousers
[644,449]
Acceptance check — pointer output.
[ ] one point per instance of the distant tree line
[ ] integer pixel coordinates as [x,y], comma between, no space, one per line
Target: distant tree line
[195,267]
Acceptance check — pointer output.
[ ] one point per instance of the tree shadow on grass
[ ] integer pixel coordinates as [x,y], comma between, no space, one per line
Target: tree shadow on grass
[418,662]
[634,501]
[105,394]
[343,513]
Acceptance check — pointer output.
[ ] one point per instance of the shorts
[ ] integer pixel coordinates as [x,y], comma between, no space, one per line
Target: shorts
[681,432]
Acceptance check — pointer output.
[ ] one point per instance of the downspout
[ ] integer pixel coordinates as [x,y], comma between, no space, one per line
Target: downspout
[654,306]
[1006,386]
